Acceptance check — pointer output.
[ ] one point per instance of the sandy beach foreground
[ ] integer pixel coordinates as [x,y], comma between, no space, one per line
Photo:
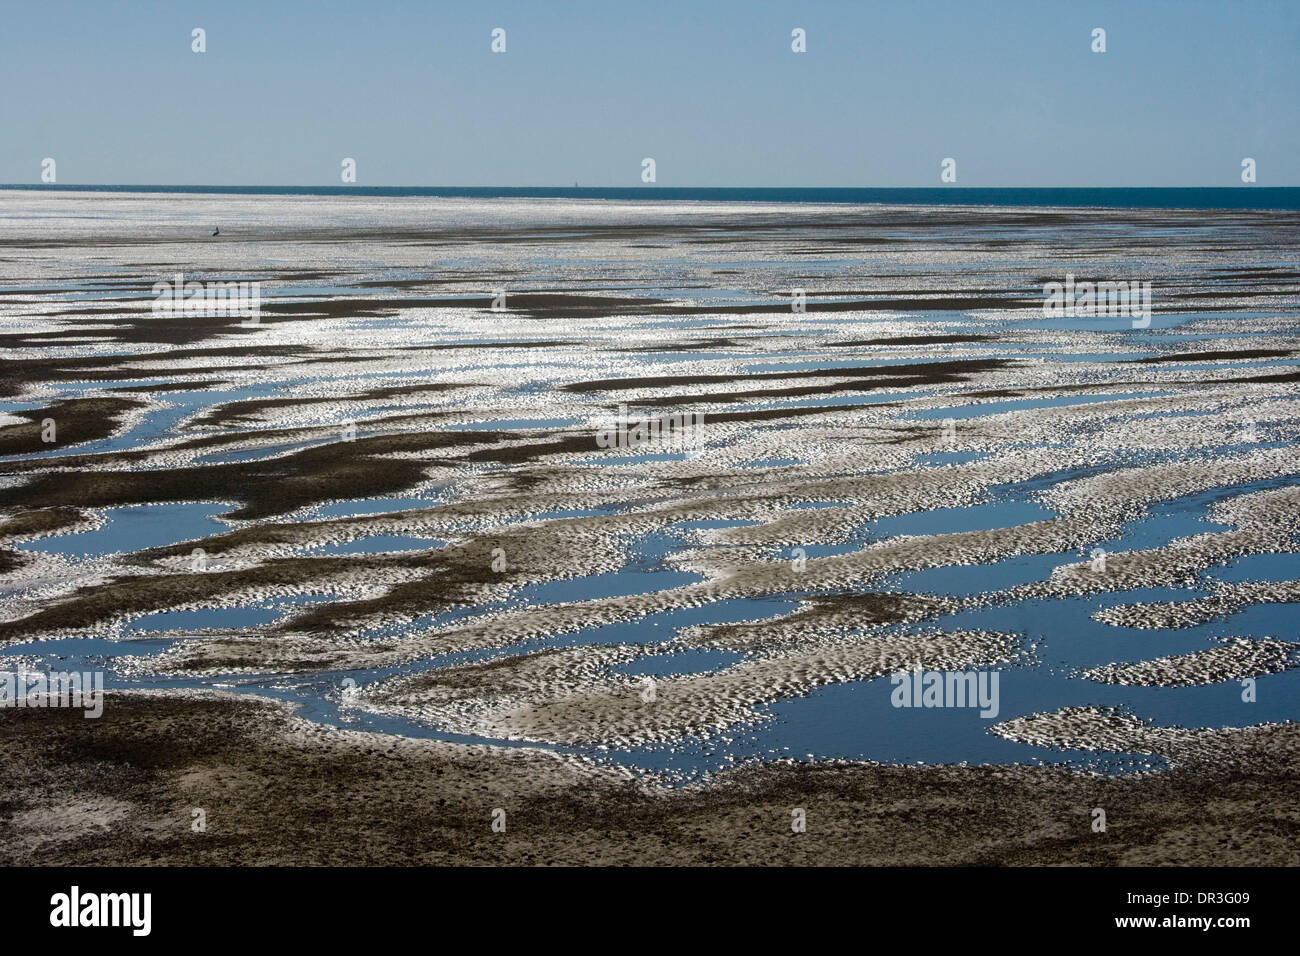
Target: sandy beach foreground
[275,789]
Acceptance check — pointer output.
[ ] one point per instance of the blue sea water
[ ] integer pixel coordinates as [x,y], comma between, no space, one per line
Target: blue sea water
[1136,197]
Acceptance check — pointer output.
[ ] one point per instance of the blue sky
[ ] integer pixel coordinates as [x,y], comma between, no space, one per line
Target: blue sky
[712,91]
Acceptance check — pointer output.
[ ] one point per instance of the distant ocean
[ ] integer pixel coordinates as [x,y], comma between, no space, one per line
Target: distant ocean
[1231,197]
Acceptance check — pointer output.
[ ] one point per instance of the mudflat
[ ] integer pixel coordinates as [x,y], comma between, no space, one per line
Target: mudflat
[362,572]
[276,789]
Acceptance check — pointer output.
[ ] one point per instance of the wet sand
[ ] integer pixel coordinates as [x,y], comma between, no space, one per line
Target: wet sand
[405,481]
[279,790]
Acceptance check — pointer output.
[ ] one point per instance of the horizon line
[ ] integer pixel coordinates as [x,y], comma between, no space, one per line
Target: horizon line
[1219,198]
[646,187]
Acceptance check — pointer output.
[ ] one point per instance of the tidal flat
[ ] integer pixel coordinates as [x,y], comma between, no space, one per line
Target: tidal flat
[366,570]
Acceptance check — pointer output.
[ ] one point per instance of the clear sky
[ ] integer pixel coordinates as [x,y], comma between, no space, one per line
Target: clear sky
[711,90]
